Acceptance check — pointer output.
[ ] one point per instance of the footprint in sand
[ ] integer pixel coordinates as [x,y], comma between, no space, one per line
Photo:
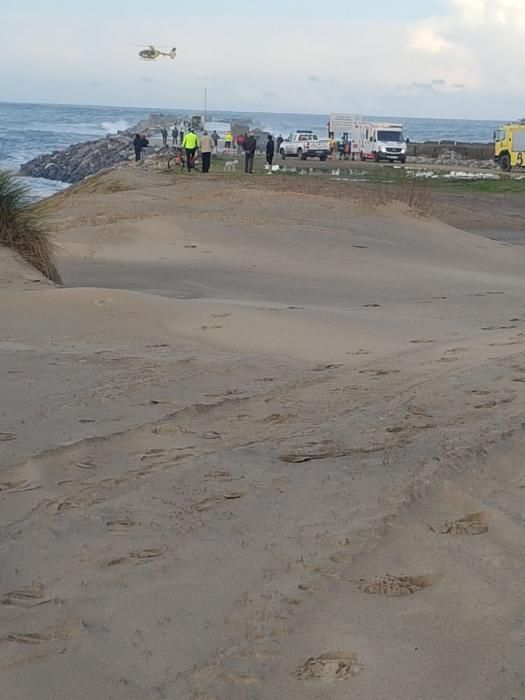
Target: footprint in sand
[7,437]
[17,486]
[473,524]
[121,527]
[301,458]
[379,372]
[422,341]
[222,475]
[276,419]
[493,404]
[394,586]
[27,597]
[85,465]
[505,344]
[211,501]
[29,638]
[322,368]
[142,556]
[69,629]
[359,351]
[212,435]
[331,666]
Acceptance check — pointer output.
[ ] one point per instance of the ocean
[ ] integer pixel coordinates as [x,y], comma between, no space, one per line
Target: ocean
[28,130]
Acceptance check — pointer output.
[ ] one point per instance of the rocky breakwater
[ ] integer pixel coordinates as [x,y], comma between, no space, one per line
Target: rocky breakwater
[77,162]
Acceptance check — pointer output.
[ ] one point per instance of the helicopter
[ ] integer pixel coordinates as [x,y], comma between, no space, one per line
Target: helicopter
[150,53]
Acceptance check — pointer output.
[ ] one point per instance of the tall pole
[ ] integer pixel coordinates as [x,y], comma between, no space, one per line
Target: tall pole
[205,105]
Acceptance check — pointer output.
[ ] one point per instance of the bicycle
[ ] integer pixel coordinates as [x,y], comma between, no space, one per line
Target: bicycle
[178,161]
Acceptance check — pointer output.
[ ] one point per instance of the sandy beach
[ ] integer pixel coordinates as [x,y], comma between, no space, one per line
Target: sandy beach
[266,442]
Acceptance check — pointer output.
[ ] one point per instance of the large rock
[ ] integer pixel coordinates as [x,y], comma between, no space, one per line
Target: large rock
[77,162]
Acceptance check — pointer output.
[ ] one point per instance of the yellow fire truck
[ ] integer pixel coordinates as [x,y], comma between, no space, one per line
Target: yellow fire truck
[509,141]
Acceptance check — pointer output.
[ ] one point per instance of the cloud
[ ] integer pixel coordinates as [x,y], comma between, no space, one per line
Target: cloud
[427,40]
[146,79]
[498,13]
[314,79]
[437,86]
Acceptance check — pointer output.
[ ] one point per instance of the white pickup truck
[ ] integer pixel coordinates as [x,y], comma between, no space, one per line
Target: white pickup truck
[303,145]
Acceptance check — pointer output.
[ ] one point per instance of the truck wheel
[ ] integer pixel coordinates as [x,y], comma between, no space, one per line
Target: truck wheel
[322,158]
[504,162]
[377,157]
[283,153]
[362,157]
[403,159]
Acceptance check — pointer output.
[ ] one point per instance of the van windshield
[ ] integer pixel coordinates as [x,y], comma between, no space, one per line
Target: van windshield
[396,136]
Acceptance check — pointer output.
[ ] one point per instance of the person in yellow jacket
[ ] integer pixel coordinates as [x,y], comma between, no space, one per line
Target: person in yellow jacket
[228,140]
[190,145]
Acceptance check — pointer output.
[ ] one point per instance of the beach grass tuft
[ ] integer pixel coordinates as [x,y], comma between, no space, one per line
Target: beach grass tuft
[23,228]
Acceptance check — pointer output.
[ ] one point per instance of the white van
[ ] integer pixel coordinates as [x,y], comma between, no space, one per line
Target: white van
[382,142]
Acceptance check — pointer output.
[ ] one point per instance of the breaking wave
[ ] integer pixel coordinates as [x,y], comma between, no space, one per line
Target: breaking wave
[114,127]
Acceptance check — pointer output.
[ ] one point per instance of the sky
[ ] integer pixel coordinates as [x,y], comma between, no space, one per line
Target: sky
[421,58]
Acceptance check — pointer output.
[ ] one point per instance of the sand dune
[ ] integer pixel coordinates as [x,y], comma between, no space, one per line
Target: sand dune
[17,275]
[271,447]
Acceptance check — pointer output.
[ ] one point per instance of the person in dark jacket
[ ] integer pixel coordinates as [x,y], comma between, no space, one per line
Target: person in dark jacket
[164,133]
[279,142]
[137,145]
[270,150]
[250,146]
[175,135]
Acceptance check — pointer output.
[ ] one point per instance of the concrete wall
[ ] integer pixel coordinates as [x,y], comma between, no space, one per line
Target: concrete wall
[472,151]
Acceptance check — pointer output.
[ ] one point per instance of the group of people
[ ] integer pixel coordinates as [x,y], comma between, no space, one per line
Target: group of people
[343,147]
[190,143]
[246,143]
[193,143]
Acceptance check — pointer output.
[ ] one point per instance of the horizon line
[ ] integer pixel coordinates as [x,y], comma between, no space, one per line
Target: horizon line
[242,111]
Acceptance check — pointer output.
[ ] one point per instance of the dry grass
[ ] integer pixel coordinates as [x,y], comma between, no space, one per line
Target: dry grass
[379,190]
[105,182]
[23,229]
[416,194]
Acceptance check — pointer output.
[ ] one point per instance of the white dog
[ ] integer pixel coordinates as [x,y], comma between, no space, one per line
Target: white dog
[231,166]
